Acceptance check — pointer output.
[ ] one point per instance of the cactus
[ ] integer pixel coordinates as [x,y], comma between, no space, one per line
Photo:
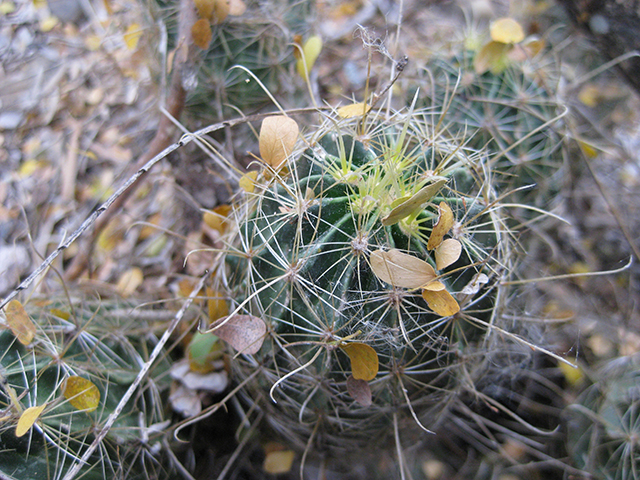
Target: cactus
[604,423]
[100,348]
[340,251]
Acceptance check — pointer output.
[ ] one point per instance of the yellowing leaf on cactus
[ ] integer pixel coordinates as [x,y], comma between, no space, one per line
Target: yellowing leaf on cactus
[248,181]
[278,461]
[132,36]
[81,393]
[278,136]
[435,286]
[310,51]
[492,57]
[129,281]
[414,203]
[19,322]
[442,226]
[201,33]
[506,30]
[441,302]
[217,218]
[28,418]
[354,110]
[364,360]
[245,333]
[447,253]
[217,304]
[400,269]
[359,390]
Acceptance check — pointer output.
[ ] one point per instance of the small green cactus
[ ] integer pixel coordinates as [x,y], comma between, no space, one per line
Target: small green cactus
[604,423]
[77,367]
[375,256]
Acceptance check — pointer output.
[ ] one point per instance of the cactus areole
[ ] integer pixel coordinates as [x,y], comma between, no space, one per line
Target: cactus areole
[373,260]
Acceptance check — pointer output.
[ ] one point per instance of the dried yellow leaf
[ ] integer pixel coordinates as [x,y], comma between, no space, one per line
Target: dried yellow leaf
[217,219]
[492,57]
[310,51]
[205,8]
[248,181]
[217,304]
[132,36]
[442,226]
[354,110]
[28,418]
[278,136]
[221,9]
[278,462]
[435,286]
[129,281]
[447,253]
[441,302]
[201,33]
[506,30]
[400,269]
[19,322]
[413,203]
[81,393]
[364,360]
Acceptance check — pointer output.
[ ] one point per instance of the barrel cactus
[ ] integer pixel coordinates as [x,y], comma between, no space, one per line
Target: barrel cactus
[364,278]
[64,369]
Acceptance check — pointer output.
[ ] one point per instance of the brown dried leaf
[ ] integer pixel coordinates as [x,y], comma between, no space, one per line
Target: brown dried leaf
[442,226]
[205,8]
[441,302]
[359,390]
[364,360]
[278,136]
[414,203]
[19,322]
[201,33]
[81,393]
[448,253]
[400,269]
[27,419]
[245,333]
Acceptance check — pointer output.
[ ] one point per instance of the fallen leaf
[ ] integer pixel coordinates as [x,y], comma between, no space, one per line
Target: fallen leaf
[506,30]
[278,136]
[216,303]
[248,181]
[413,203]
[132,36]
[129,281]
[442,226]
[364,360]
[353,110]
[201,33]
[492,57]
[279,461]
[218,218]
[310,51]
[81,393]
[400,269]
[435,286]
[245,333]
[441,302]
[205,8]
[27,419]
[19,322]
[448,253]
[221,9]
[359,390]
[573,375]
[203,350]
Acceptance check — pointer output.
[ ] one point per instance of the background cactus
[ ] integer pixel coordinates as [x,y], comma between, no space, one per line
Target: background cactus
[101,343]
[340,252]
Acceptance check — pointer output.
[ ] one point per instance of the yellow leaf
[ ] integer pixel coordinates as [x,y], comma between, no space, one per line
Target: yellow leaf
[442,226]
[248,181]
[310,52]
[435,286]
[81,393]
[47,24]
[441,302]
[353,110]
[27,419]
[364,360]
[217,219]
[221,9]
[573,375]
[129,281]
[217,304]
[400,269]
[132,36]
[506,30]
[245,333]
[278,462]
[278,136]
[19,322]
[447,253]
[205,8]
[413,203]
[7,8]
[492,57]
[93,42]
[201,33]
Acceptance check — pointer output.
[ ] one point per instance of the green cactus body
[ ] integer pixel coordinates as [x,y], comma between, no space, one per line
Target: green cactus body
[96,343]
[301,262]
